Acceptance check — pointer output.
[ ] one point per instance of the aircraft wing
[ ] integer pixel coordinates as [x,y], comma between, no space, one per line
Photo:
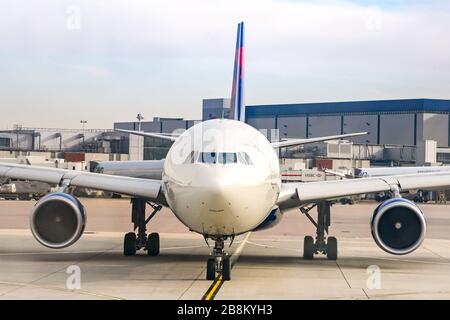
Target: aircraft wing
[296,194]
[165,136]
[338,174]
[297,142]
[146,169]
[143,188]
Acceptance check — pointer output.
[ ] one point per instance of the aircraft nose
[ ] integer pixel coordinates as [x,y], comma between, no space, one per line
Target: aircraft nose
[218,197]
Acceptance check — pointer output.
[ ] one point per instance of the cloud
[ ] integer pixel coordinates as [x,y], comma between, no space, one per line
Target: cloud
[296,50]
[91,70]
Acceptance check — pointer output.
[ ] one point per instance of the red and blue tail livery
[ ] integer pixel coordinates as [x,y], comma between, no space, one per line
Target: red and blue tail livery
[237,106]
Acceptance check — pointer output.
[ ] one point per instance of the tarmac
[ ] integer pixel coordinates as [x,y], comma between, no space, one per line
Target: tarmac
[267,265]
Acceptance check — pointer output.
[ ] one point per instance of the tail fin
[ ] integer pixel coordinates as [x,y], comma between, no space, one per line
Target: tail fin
[237,105]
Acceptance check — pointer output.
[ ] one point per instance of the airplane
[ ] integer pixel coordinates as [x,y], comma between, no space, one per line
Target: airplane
[221,178]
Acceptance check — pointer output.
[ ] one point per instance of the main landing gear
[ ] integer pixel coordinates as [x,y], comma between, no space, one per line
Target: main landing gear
[322,244]
[219,263]
[135,241]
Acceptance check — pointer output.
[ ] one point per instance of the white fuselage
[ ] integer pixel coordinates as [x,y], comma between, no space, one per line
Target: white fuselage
[221,177]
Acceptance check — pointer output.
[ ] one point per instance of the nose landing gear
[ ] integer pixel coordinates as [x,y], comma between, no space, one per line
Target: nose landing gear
[136,241]
[219,263]
[322,244]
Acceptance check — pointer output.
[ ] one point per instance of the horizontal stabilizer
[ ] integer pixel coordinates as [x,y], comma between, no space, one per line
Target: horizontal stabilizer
[165,136]
[298,142]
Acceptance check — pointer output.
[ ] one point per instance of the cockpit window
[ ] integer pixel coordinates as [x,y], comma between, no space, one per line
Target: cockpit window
[227,157]
[191,158]
[219,157]
[208,157]
[246,158]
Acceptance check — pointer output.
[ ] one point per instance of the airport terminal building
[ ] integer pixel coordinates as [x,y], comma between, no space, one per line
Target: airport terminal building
[396,130]
[388,122]
[395,127]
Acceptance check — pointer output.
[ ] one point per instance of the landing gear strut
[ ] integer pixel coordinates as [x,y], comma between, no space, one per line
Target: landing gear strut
[135,241]
[322,244]
[219,263]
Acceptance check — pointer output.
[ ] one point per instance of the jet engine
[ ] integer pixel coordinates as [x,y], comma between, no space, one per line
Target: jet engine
[58,220]
[272,220]
[398,226]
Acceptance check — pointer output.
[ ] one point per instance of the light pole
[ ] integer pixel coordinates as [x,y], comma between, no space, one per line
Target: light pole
[83,123]
[140,117]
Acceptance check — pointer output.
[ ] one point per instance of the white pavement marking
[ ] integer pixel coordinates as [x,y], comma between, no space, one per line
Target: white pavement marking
[82,292]
[81,252]
[190,247]
[237,253]
[406,260]
[32,283]
[52,253]
[272,247]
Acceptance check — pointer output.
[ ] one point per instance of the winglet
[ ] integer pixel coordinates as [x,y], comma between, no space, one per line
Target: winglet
[237,104]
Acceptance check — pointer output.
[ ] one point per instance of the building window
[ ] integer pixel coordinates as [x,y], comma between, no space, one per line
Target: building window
[5,142]
[443,157]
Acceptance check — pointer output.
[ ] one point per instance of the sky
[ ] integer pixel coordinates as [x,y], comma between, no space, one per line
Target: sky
[107,60]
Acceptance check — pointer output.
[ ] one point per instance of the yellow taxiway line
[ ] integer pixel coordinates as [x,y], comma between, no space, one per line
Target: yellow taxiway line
[218,282]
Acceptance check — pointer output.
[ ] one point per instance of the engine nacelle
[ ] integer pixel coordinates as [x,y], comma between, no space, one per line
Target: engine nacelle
[58,220]
[398,226]
[272,220]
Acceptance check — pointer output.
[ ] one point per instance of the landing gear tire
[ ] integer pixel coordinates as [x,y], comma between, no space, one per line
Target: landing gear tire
[152,244]
[332,248]
[138,240]
[308,248]
[129,244]
[210,269]
[226,269]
